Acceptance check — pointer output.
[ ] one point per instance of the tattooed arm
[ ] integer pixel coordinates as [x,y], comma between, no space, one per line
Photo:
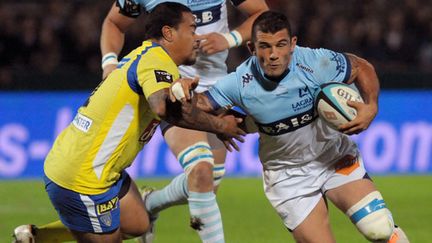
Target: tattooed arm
[187,114]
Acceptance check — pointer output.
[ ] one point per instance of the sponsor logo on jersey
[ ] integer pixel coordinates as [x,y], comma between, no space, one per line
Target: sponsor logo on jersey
[106,219]
[82,122]
[246,79]
[149,131]
[107,206]
[163,76]
[303,92]
[287,124]
[306,102]
[305,68]
[207,16]
[347,165]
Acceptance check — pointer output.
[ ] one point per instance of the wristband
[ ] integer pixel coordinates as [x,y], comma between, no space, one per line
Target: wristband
[234,38]
[108,59]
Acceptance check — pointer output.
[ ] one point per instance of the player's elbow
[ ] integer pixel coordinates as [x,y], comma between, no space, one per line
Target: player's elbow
[161,112]
[159,108]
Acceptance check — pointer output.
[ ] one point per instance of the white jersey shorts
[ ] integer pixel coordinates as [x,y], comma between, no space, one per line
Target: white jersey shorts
[295,191]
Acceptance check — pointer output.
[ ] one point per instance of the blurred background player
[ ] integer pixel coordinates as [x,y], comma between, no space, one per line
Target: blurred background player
[85,175]
[200,154]
[306,162]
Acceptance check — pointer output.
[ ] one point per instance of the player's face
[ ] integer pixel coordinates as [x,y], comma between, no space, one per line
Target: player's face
[274,51]
[187,42]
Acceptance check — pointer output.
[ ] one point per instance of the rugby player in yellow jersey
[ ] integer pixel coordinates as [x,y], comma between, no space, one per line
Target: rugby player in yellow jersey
[85,173]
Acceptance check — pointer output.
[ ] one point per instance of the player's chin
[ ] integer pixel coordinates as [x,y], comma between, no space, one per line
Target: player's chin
[274,73]
[191,60]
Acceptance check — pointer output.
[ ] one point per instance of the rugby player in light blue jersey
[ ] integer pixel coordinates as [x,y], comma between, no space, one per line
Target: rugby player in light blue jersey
[305,161]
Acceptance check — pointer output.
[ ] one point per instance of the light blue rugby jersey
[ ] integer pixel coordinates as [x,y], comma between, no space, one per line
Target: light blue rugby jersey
[206,11]
[290,101]
[284,112]
[210,16]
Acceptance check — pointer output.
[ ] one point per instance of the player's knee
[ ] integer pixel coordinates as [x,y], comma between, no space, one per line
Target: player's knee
[202,173]
[135,227]
[372,218]
[197,162]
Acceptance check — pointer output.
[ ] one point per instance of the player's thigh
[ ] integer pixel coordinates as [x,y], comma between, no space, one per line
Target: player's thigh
[178,139]
[90,218]
[217,147]
[345,196]
[316,226]
[134,219]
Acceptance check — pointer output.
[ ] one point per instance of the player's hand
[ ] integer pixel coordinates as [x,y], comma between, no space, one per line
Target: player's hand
[212,43]
[365,114]
[107,70]
[181,89]
[231,131]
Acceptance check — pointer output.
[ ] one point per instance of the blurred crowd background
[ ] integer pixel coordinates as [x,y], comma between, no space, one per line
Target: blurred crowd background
[54,44]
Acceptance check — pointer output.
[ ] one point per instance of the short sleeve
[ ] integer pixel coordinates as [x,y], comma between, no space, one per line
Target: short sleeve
[152,80]
[225,93]
[129,8]
[328,66]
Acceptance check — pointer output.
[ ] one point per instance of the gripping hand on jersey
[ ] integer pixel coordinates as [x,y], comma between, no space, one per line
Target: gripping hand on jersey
[212,43]
[232,131]
[365,114]
[181,89]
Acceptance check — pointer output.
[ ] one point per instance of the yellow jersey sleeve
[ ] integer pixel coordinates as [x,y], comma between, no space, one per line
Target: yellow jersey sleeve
[157,73]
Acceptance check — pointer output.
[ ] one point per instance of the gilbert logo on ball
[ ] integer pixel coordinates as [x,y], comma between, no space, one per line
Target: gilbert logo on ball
[331,103]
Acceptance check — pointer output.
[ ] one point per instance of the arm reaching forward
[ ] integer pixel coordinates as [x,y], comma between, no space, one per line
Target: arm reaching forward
[187,114]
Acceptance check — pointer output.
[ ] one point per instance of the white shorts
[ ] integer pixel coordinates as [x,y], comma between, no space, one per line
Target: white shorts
[295,191]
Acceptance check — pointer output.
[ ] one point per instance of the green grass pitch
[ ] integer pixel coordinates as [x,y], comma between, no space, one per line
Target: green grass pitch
[247,215]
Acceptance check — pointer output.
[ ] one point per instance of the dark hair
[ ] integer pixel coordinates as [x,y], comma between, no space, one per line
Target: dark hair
[167,13]
[270,22]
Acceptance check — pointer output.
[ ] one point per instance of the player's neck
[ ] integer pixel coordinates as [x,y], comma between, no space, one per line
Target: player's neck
[170,49]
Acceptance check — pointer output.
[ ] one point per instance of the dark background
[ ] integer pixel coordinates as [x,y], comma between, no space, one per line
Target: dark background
[54,45]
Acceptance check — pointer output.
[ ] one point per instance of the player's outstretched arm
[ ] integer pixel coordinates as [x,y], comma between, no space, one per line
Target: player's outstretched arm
[365,78]
[185,113]
[112,38]
[216,42]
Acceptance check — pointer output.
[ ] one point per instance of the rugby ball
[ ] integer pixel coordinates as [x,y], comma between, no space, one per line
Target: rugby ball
[331,103]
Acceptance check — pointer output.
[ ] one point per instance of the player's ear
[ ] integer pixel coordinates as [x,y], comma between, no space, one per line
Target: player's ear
[251,47]
[293,43]
[167,33]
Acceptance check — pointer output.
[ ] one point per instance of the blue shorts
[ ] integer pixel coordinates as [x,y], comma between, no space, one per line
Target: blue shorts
[89,213]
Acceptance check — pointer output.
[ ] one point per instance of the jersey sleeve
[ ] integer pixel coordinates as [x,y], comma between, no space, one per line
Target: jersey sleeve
[328,66]
[129,8]
[225,93]
[153,79]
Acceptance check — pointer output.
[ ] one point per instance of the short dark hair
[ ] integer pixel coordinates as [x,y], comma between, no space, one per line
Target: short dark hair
[270,22]
[167,13]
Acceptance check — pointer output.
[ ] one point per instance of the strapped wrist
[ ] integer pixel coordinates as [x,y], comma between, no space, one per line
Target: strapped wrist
[108,59]
[234,38]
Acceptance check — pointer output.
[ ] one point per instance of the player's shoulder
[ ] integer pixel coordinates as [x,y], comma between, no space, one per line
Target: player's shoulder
[247,65]
[154,54]
[244,70]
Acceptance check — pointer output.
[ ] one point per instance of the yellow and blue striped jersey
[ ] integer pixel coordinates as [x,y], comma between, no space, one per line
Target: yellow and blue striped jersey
[113,125]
